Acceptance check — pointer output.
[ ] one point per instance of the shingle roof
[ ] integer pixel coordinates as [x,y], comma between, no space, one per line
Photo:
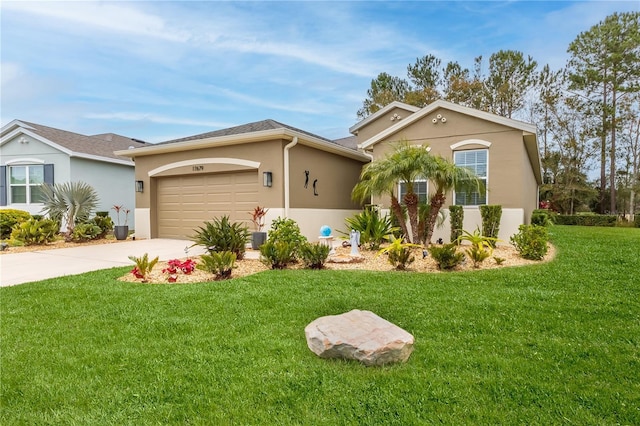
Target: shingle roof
[99,145]
[348,142]
[257,126]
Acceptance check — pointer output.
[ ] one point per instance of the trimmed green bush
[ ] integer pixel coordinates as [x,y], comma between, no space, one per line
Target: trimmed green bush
[636,220]
[222,235]
[456,217]
[35,232]
[543,217]
[9,218]
[531,241]
[314,255]
[278,254]
[491,216]
[85,232]
[446,256]
[286,230]
[104,223]
[587,219]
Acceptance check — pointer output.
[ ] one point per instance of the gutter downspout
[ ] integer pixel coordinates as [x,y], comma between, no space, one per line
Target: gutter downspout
[293,143]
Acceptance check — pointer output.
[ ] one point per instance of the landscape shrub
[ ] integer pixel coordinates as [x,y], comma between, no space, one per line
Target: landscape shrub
[481,246]
[286,230]
[9,218]
[143,267]
[637,220]
[278,254]
[222,235]
[374,229]
[69,203]
[543,217]
[587,219]
[314,255]
[218,263]
[531,241]
[491,216]
[85,232]
[174,266]
[35,231]
[104,223]
[456,217]
[400,253]
[446,256]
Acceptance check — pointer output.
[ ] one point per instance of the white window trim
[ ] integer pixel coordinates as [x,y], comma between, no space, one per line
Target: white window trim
[466,142]
[486,179]
[24,162]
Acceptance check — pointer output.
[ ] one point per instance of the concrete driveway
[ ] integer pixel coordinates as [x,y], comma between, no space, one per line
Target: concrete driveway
[19,268]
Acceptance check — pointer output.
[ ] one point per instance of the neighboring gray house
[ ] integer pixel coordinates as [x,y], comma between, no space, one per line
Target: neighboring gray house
[31,154]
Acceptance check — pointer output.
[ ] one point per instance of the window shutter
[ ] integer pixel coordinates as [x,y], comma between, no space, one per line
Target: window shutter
[48,174]
[3,185]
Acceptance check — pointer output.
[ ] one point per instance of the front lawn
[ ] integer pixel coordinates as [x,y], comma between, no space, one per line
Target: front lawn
[545,344]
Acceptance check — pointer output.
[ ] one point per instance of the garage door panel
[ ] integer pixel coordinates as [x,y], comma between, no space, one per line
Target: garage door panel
[184,203]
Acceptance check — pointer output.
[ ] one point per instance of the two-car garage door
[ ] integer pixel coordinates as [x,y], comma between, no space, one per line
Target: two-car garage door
[184,203]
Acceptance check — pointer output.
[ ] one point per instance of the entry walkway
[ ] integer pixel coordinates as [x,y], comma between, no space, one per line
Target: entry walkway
[19,268]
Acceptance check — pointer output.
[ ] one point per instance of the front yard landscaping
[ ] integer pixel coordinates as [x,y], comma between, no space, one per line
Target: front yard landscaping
[548,343]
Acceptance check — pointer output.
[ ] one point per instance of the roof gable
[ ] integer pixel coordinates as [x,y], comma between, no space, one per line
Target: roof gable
[99,147]
[508,122]
[373,117]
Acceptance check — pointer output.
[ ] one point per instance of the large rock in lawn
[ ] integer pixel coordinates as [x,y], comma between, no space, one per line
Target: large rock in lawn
[359,335]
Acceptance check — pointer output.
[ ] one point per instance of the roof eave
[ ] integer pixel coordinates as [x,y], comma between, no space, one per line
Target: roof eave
[240,139]
[382,111]
[508,122]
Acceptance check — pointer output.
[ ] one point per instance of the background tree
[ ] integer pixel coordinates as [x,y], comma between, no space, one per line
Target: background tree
[384,90]
[425,78]
[462,88]
[549,87]
[604,67]
[630,144]
[510,78]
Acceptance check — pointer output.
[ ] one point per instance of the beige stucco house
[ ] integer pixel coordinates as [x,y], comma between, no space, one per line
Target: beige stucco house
[293,173]
[308,178]
[503,152]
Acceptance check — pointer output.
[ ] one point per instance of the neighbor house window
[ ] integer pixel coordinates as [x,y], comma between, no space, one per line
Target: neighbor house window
[477,161]
[25,182]
[420,188]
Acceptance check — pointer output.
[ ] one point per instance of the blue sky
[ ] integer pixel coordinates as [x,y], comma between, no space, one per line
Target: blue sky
[159,70]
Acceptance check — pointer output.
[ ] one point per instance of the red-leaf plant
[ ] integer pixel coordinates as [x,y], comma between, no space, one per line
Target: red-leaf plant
[175,265]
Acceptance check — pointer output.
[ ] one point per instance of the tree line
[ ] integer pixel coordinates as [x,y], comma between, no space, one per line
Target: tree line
[587,113]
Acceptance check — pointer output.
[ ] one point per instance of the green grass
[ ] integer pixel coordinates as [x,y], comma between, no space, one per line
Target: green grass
[555,343]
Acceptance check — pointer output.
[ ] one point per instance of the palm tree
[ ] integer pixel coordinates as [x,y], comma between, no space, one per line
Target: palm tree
[375,180]
[404,164]
[445,176]
[69,202]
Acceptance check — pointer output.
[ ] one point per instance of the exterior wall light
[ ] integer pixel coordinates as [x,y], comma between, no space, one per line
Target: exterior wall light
[267,179]
[139,186]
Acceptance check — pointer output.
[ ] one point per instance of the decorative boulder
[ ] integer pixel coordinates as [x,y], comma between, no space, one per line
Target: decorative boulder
[359,335]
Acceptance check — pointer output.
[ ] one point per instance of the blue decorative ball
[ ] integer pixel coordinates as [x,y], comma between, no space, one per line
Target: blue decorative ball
[325,231]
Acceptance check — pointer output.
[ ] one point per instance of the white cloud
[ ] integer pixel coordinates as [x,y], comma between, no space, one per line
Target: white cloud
[155,118]
[113,17]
